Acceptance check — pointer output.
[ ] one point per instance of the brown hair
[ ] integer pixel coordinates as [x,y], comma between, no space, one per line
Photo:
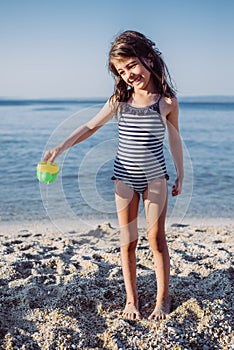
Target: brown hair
[135,44]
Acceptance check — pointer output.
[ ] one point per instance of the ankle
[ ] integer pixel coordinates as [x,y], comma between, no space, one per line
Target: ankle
[132,299]
[163,298]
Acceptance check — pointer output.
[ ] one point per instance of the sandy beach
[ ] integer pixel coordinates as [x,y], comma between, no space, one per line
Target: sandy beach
[64,290]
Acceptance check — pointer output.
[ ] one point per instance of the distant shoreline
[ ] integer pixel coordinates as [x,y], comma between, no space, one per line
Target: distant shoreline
[18,101]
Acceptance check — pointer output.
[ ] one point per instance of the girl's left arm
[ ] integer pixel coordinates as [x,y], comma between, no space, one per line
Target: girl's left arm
[175,145]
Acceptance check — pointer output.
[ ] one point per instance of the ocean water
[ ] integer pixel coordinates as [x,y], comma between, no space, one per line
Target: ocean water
[84,189]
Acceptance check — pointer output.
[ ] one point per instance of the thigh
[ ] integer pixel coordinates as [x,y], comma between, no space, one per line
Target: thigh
[155,202]
[127,202]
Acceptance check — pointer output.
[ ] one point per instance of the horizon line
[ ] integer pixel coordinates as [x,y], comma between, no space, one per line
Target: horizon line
[101,97]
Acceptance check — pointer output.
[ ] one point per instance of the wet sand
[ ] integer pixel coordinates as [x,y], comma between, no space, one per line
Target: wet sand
[65,290]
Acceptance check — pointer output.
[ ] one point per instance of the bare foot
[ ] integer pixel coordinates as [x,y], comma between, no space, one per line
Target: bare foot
[161,310]
[131,311]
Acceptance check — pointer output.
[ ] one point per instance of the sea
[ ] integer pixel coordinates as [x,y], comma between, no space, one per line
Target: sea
[84,190]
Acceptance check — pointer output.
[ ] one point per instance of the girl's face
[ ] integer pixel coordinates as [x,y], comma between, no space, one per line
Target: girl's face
[134,73]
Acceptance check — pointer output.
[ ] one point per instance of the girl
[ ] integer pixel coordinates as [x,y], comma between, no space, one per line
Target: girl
[144,102]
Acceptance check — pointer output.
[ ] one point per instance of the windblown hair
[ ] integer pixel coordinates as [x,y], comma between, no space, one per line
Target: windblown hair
[134,44]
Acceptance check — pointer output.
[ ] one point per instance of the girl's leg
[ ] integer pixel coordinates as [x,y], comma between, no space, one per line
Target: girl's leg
[127,202]
[155,201]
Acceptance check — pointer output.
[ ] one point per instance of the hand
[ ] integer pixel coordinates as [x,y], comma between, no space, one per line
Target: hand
[177,187]
[51,154]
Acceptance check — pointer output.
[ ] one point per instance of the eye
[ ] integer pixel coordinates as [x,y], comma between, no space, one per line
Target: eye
[132,65]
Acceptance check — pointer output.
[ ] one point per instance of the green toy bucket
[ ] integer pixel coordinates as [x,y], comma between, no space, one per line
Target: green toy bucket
[47,173]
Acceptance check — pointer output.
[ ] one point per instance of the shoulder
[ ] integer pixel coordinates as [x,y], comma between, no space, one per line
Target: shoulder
[168,105]
[103,116]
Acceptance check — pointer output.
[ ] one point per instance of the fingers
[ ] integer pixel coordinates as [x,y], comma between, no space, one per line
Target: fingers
[47,156]
[50,155]
[176,189]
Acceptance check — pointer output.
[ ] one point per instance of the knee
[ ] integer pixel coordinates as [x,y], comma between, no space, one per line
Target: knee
[157,241]
[129,248]
[128,238]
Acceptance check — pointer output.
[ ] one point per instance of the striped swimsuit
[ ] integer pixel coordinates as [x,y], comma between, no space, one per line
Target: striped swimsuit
[140,157]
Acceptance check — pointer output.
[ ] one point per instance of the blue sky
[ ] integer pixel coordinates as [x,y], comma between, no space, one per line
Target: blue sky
[59,48]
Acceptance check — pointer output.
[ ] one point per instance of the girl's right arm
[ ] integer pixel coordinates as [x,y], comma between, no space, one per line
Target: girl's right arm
[83,132]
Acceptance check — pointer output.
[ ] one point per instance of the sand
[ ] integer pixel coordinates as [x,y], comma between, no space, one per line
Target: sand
[64,290]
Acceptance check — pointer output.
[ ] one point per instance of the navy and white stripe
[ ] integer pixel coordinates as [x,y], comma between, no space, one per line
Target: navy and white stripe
[140,157]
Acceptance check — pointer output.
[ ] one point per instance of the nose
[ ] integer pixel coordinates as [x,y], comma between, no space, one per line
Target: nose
[130,75]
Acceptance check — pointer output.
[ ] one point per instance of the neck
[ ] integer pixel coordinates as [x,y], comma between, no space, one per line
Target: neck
[143,99]
[144,94]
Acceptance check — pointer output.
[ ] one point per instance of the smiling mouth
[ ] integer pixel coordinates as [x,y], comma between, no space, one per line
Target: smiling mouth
[137,80]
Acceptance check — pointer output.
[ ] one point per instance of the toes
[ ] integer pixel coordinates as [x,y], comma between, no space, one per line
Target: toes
[131,316]
[126,315]
[152,317]
[138,316]
[157,316]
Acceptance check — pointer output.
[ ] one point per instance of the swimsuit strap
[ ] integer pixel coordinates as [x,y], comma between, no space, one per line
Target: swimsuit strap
[128,108]
[159,99]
